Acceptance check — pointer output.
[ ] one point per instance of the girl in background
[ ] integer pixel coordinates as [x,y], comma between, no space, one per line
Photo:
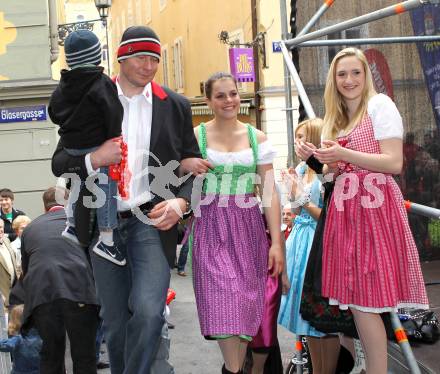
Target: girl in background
[306,194]
[24,348]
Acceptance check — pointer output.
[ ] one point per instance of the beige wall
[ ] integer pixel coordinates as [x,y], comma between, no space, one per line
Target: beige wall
[24,42]
[274,122]
[270,22]
[59,63]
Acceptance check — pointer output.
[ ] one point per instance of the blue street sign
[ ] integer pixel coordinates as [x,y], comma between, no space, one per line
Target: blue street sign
[276,47]
[23,114]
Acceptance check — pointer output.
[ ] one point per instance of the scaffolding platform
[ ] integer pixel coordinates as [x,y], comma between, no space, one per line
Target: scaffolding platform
[427,355]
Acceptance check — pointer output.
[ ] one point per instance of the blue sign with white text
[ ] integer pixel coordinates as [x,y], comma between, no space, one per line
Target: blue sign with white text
[276,47]
[426,21]
[23,114]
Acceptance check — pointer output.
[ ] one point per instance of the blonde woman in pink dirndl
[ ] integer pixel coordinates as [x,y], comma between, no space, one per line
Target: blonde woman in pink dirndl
[370,260]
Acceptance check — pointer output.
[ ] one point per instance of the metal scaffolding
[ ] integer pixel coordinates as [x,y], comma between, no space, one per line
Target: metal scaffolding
[367,18]
[305,40]
[302,38]
[390,40]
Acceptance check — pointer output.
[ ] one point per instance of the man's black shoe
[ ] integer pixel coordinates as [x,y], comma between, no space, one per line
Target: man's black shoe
[102,365]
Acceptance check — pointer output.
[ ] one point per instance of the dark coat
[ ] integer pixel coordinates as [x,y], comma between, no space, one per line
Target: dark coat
[172,138]
[53,268]
[86,107]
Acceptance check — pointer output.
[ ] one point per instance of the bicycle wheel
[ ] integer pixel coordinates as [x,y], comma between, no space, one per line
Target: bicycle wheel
[291,369]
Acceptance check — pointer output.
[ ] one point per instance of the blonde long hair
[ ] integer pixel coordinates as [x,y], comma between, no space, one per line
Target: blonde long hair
[313,129]
[336,117]
[15,319]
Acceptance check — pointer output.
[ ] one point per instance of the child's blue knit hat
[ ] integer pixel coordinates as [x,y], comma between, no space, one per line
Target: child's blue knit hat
[82,47]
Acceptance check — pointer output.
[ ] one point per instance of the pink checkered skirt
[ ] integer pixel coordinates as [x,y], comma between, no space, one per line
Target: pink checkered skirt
[230,256]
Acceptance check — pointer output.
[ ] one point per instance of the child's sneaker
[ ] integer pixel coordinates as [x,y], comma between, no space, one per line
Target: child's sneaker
[110,253]
[69,233]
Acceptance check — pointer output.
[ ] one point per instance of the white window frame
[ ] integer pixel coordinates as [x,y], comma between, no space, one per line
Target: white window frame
[123,20]
[178,65]
[130,17]
[165,65]
[105,53]
[138,12]
[148,16]
[162,5]
[236,36]
[117,30]
[324,53]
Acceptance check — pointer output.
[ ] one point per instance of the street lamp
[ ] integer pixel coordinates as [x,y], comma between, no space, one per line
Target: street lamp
[103,7]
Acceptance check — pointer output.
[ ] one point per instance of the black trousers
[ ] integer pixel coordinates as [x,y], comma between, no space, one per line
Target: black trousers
[80,321]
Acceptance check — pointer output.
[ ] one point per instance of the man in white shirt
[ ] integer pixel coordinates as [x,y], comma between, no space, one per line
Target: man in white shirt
[158,129]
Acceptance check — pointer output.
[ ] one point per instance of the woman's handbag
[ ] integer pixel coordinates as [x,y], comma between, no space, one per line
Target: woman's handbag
[420,325]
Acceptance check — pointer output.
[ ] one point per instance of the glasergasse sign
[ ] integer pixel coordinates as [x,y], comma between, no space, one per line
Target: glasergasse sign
[23,114]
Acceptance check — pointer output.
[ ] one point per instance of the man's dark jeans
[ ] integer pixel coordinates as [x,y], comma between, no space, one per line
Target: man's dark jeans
[183,257]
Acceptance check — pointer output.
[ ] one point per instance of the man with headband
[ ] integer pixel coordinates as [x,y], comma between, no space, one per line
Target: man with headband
[157,128]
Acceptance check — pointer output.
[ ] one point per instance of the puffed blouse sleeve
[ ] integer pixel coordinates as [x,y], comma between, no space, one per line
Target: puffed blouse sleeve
[266,153]
[386,119]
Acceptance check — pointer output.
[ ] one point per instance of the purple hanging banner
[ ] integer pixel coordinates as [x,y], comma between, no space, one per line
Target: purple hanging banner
[241,61]
[426,21]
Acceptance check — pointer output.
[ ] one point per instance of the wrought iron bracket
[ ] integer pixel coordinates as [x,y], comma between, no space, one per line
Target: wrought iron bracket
[259,42]
[66,28]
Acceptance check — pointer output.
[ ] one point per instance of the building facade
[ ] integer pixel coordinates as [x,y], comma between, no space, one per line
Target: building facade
[27,136]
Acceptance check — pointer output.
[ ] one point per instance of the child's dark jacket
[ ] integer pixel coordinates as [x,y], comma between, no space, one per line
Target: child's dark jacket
[86,107]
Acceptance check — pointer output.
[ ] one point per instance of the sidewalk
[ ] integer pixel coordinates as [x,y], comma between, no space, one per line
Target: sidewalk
[190,352]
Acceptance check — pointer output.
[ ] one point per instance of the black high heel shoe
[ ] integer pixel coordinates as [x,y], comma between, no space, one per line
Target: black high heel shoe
[226,371]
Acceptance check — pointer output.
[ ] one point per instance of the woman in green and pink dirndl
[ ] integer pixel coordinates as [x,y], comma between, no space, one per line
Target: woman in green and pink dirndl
[231,253]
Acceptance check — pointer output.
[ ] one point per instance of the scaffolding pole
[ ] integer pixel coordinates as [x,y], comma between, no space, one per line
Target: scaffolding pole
[315,18]
[422,210]
[287,83]
[299,86]
[402,340]
[287,89]
[390,40]
[370,17]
